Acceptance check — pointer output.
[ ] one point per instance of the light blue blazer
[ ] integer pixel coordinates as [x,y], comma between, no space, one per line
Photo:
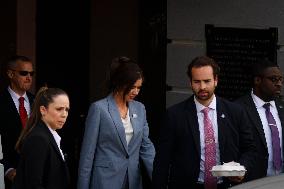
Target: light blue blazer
[105,156]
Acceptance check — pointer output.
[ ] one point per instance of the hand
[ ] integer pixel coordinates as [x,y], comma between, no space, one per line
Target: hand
[236,179]
[11,175]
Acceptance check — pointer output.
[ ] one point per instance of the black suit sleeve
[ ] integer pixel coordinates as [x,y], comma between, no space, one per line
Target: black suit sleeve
[247,144]
[34,154]
[164,153]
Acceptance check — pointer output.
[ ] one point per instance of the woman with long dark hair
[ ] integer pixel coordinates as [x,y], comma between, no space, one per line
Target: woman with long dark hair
[42,163]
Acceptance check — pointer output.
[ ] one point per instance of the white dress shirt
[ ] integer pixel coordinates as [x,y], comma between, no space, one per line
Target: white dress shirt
[261,112]
[57,139]
[128,127]
[16,97]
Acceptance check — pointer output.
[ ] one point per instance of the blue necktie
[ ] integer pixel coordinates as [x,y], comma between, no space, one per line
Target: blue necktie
[275,138]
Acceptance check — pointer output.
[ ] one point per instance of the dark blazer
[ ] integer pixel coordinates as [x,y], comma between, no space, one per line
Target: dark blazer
[177,162]
[41,165]
[260,170]
[10,128]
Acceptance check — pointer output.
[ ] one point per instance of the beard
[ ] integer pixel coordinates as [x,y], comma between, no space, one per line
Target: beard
[203,95]
[269,94]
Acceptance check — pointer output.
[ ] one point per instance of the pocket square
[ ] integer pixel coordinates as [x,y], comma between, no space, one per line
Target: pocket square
[134,115]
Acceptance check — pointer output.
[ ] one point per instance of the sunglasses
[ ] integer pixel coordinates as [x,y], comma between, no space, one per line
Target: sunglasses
[25,73]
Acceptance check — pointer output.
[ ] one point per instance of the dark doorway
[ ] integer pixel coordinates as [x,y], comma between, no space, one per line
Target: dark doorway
[152,55]
[62,61]
[8,36]
[152,58]
[63,46]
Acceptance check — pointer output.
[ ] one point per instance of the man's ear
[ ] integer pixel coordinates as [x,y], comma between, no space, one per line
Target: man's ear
[10,74]
[189,82]
[257,80]
[216,80]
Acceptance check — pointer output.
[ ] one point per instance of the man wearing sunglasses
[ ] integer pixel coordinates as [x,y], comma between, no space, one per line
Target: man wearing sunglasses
[266,113]
[15,108]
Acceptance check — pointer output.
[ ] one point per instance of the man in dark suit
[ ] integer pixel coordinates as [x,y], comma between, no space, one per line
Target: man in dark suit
[267,84]
[20,72]
[183,159]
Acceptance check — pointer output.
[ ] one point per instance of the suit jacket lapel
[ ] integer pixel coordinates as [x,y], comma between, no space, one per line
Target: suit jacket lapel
[113,110]
[55,146]
[221,122]
[191,115]
[280,109]
[53,142]
[11,104]
[133,114]
[31,98]
[254,118]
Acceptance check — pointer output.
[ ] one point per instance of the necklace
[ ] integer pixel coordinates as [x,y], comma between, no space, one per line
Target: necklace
[122,106]
[123,111]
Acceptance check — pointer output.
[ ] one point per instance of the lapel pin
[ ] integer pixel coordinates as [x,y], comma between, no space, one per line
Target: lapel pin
[134,115]
[280,106]
[222,116]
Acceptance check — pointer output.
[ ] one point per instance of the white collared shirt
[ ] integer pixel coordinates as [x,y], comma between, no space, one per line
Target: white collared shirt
[127,127]
[213,118]
[57,139]
[261,112]
[16,97]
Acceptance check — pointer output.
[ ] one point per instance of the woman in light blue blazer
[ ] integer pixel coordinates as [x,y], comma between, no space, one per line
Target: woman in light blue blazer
[116,134]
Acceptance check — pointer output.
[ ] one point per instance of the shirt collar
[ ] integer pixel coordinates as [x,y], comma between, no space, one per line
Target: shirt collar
[55,135]
[16,96]
[200,107]
[259,102]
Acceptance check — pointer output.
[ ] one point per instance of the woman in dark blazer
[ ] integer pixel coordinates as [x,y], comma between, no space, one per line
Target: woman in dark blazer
[42,164]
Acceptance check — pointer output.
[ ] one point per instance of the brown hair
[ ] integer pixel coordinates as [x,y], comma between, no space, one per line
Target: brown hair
[202,61]
[44,97]
[124,72]
[12,62]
